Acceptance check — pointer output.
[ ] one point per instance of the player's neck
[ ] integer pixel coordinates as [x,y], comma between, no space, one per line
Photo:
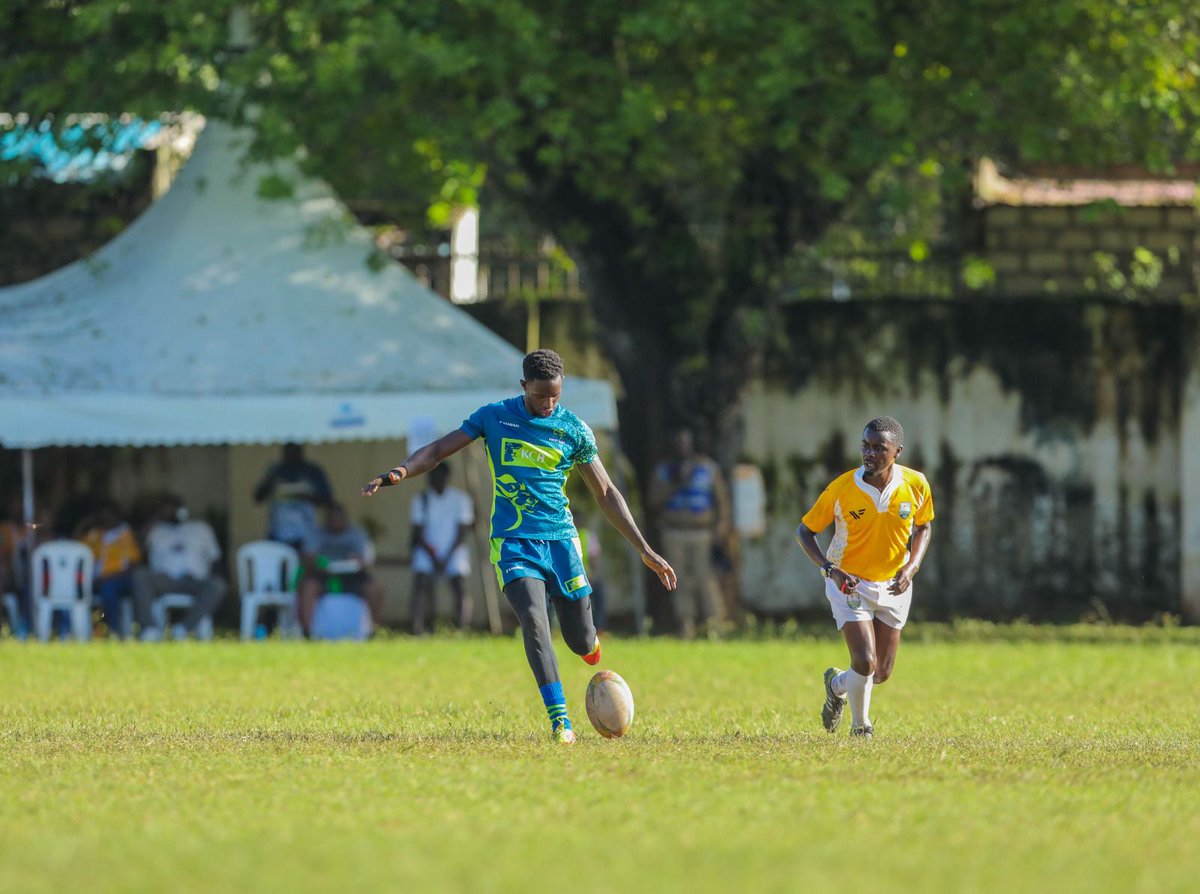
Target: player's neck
[880,479]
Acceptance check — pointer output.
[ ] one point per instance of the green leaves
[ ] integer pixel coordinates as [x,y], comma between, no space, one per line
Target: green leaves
[684,151]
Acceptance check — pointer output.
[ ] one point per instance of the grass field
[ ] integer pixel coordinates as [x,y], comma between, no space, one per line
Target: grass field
[1005,760]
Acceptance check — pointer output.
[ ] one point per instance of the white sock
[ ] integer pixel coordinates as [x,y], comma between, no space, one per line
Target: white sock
[840,683]
[858,688]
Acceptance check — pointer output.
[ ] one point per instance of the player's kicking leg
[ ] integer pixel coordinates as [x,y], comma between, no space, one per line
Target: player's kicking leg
[578,629]
[527,596]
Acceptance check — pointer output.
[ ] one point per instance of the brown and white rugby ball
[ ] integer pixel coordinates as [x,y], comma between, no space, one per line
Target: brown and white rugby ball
[609,704]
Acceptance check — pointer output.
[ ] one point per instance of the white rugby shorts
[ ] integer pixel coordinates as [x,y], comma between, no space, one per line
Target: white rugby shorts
[874,601]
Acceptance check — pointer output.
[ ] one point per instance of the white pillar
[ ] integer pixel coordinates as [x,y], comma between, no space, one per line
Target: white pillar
[464,257]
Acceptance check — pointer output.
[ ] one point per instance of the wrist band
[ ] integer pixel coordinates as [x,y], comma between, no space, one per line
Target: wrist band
[386,477]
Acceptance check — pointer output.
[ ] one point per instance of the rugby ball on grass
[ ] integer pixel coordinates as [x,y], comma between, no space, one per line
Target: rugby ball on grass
[609,704]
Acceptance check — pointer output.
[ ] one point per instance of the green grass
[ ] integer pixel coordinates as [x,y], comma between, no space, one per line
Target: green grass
[1002,763]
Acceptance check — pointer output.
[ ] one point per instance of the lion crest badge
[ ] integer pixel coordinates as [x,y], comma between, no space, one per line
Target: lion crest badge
[905,509]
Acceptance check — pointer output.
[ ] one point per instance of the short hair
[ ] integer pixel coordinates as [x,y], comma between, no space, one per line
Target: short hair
[887,425]
[542,364]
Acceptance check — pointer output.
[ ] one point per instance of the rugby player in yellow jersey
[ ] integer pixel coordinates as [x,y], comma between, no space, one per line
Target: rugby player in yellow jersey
[882,514]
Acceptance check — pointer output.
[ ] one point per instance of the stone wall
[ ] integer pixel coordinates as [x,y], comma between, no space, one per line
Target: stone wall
[1035,250]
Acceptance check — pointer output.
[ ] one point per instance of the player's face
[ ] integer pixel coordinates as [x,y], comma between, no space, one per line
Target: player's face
[541,395]
[879,451]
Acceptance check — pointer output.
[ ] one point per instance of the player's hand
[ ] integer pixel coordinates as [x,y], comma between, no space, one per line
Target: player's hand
[394,476]
[902,581]
[846,583]
[660,566]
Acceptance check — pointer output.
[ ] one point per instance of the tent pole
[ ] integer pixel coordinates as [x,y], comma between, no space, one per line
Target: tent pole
[27,485]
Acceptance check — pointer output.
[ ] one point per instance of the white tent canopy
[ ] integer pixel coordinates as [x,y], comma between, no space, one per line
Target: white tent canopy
[221,317]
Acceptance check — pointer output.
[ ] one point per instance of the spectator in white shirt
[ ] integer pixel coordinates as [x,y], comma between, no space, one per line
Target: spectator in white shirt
[442,517]
[182,553]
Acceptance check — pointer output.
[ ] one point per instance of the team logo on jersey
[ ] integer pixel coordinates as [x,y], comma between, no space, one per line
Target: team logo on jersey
[518,495]
[905,509]
[514,452]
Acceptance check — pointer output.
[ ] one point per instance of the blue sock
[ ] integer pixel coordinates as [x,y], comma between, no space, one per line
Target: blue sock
[556,704]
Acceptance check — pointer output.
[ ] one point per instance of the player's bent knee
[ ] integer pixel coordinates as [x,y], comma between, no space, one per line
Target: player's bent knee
[864,664]
[578,644]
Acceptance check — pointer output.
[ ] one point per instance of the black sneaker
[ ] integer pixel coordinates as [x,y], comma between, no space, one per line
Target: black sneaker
[865,732]
[831,711]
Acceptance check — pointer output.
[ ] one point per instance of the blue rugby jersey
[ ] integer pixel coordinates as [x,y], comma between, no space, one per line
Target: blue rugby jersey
[530,458]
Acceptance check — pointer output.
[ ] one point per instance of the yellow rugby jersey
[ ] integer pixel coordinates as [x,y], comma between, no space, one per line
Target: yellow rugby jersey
[872,529]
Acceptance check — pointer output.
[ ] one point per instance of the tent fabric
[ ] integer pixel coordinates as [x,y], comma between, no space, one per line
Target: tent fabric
[222,316]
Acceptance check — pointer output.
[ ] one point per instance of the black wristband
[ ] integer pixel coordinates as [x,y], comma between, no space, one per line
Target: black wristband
[386,478]
[827,569]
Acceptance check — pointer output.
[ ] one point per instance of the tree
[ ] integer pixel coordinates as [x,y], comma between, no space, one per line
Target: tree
[682,150]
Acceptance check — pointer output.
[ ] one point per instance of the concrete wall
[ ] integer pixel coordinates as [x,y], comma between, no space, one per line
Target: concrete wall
[1190,468]
[1051,433]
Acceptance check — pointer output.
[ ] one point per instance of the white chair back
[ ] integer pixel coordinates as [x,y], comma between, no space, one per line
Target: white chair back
[267,574]
[62,572]
[265,566]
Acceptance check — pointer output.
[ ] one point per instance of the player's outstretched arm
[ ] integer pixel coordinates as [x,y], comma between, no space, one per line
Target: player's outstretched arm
[420,461]
[616,510]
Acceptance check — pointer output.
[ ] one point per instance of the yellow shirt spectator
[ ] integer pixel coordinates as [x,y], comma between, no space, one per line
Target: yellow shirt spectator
[872,528]
[116,549]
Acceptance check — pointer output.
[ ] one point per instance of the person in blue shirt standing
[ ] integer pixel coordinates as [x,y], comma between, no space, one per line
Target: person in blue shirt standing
[532,444]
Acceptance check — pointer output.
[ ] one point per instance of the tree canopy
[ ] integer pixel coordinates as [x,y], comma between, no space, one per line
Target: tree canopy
[682,150]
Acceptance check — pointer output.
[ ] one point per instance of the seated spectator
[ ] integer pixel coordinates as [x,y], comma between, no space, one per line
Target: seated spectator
[442,517]
[182,554]
[115,547]
[337,559]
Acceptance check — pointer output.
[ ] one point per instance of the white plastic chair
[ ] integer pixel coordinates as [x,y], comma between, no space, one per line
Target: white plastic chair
[62,579]
[12,608]
[182,602]
[266,573]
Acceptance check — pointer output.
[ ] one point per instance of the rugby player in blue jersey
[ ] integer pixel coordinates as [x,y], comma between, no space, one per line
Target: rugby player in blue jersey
[532,444]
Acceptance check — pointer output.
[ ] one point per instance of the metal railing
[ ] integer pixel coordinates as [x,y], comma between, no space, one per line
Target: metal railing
[498,276]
